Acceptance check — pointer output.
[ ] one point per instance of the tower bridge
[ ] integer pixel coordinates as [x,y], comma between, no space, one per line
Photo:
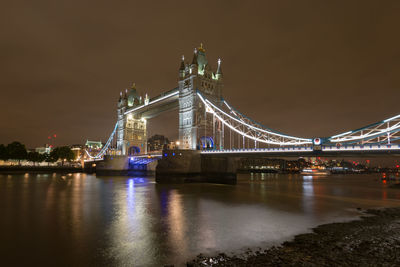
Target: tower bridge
[210,125]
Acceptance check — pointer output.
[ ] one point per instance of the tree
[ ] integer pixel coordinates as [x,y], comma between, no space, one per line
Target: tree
[53,155]
[17,151]
[34,157]
[3,152]
[48,157]
[64,153]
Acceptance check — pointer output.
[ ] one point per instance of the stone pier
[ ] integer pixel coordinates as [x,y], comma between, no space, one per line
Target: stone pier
[119,165]
[191,166]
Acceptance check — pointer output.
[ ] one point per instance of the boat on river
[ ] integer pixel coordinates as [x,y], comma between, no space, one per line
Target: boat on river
[315,171]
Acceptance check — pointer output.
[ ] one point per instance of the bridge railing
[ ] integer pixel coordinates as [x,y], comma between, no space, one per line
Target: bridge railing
[361,147]
[259,150]
[305,149]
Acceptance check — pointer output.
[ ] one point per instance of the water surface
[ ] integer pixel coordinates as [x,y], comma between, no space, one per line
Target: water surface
[82,219]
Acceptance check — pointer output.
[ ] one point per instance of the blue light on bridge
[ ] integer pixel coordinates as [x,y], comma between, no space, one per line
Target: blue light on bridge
[207,142]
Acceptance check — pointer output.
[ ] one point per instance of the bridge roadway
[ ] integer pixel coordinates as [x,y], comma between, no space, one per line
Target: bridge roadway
[328,151]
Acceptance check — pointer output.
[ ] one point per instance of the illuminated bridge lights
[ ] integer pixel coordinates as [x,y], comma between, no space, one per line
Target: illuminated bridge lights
[142,160]
[249,129]
[380,136]
[393,118]
[259,150]
[362,148]
[105,147]
[385,131]
[155,100]
[382,148]
[382,132]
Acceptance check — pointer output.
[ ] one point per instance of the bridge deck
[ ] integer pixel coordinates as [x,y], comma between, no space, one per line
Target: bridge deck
[354,150]
[163,102]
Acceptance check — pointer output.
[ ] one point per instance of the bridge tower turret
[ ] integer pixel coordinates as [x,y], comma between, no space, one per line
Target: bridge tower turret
[132,128]
[122,104]
[197,128]
[182,68]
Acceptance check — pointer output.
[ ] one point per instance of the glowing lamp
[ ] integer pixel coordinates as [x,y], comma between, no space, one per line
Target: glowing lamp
[317,141]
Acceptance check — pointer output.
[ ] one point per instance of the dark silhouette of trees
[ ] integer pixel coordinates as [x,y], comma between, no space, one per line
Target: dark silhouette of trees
[35,157]
[17,151]
[3,152]
[48,157]
[64,153]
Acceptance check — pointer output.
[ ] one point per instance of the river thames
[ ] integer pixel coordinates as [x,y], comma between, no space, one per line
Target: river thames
[80,219]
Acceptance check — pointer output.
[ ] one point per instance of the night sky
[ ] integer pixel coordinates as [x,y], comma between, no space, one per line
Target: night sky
[305,68]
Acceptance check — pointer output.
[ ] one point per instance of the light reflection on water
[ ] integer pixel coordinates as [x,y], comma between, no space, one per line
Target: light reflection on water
[83,220]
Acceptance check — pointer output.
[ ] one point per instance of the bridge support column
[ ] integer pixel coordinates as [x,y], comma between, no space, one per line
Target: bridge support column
[219,169]
[191,166]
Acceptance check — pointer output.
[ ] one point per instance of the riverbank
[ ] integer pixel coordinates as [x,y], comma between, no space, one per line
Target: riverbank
[38,169]
[374,240]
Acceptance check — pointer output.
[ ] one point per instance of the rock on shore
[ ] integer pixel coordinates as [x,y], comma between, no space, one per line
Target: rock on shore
[372,241]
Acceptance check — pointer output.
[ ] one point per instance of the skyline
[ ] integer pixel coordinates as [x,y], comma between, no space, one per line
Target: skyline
[285,65]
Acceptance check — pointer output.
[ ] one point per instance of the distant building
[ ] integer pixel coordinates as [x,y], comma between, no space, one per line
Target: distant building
[44,149]
[78,151]
[261,164]
[157,142]
[93,144]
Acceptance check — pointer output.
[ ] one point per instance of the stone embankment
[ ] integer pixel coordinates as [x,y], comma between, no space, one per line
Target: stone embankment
[38,169]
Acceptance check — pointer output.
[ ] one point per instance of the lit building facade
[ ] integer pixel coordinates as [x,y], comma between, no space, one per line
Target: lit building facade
[196,127]
[96,145]
[132,130]
[43,150]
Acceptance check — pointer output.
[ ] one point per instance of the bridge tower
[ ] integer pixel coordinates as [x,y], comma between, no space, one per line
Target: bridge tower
[197,127]
[132,128]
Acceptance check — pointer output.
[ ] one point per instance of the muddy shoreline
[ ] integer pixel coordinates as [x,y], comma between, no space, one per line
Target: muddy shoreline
[374,240]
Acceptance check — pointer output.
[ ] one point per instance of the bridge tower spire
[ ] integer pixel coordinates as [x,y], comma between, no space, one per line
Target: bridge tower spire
[219,74]
[182,68]
[196,127]
[194,60]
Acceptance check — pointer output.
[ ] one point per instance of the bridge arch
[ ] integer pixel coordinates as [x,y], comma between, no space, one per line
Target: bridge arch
[133,150]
